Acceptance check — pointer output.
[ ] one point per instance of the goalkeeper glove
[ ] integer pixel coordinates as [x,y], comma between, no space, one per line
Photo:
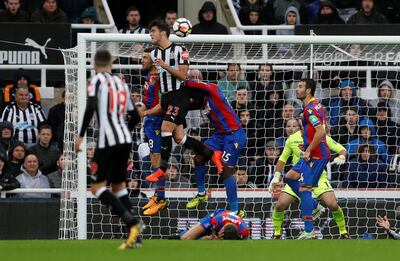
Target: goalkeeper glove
[339,160]
[275,181]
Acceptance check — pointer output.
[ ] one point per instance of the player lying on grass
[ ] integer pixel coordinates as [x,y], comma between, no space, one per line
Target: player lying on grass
[383,222]
[221,224]
[324,192]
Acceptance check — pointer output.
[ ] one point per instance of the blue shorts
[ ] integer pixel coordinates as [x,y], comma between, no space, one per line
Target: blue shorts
[231,145]
[310,171]
[152,130]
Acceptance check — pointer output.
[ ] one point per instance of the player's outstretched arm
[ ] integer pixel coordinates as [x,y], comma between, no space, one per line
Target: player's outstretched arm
[383,222]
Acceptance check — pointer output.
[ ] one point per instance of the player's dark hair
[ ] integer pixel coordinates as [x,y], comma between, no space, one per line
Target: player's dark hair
[102,58]
[131,9]
[310,84]
[231,232]
[161,25]
[148,50]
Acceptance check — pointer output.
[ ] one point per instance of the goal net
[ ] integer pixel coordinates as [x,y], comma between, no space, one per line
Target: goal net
[357,82]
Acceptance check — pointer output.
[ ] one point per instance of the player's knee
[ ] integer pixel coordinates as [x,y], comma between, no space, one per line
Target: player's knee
[332,205]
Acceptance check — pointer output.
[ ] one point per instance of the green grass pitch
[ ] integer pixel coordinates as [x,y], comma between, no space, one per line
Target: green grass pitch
[165,250]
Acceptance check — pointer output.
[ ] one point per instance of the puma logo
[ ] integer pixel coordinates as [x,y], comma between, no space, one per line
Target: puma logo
[42,48]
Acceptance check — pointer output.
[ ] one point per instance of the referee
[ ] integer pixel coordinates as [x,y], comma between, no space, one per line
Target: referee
[172,64]
[109,97]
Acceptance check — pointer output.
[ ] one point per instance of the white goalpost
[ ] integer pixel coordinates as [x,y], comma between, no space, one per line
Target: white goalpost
[365,60]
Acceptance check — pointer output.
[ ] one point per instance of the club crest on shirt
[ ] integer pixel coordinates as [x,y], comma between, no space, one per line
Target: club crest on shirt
[185,55]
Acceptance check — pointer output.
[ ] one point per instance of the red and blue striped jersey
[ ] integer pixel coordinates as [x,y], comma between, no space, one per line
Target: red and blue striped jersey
[222,217]
[314,116]
[221,113]
[151,90]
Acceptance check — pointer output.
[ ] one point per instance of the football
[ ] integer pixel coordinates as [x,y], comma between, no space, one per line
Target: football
[182,27]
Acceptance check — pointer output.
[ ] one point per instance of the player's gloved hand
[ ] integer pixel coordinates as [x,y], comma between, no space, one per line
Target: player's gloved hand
[339,160]
[275,182]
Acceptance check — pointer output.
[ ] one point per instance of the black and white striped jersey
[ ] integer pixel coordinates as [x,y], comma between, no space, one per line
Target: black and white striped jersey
[174,55]
[25,122]
[138,30]
[113,101]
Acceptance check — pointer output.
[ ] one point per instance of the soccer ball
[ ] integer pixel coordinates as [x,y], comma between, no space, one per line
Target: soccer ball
[182,27]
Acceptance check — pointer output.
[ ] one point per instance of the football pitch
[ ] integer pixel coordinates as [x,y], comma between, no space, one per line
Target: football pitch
[165,250]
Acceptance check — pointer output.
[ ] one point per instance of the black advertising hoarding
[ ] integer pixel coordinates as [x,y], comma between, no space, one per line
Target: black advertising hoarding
[33,44]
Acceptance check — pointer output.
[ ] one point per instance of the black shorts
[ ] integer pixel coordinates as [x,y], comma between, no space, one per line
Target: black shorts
[175,106]
[111,163]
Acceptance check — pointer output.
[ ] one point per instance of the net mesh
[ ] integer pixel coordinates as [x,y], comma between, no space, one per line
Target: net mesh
[264,110]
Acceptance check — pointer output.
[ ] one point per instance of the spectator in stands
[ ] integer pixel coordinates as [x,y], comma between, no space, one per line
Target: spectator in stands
[347,129]
[292,17]
[175,180]
[264,168]
[387,130]
[328,13]
[21,79]
[242,101]
[390,9]
[208,21]
[274,109]
[254,18]
[55,177]
[386,94]
[276,10]
[232,81]
[136,95]
[13,12]
[288,113]
[89,16]
[16,157]
[367,14]
[394,166]
[133,18]
[6,136]
[32,177]
[49,13]
[134,185]
[25,117]
[46,153]
[170,18]
[265,82]
[74,8]
[242,179]
[347,98]
[56,120]
[255,136]
[367,135]
[250,5]
[7,180]
[367,170]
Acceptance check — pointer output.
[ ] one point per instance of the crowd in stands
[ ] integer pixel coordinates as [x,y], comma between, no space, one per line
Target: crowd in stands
[295,12]
[49,11]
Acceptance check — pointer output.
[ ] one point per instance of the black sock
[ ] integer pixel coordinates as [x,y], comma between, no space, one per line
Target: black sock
[198,147]
[108,199]
[166,147]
